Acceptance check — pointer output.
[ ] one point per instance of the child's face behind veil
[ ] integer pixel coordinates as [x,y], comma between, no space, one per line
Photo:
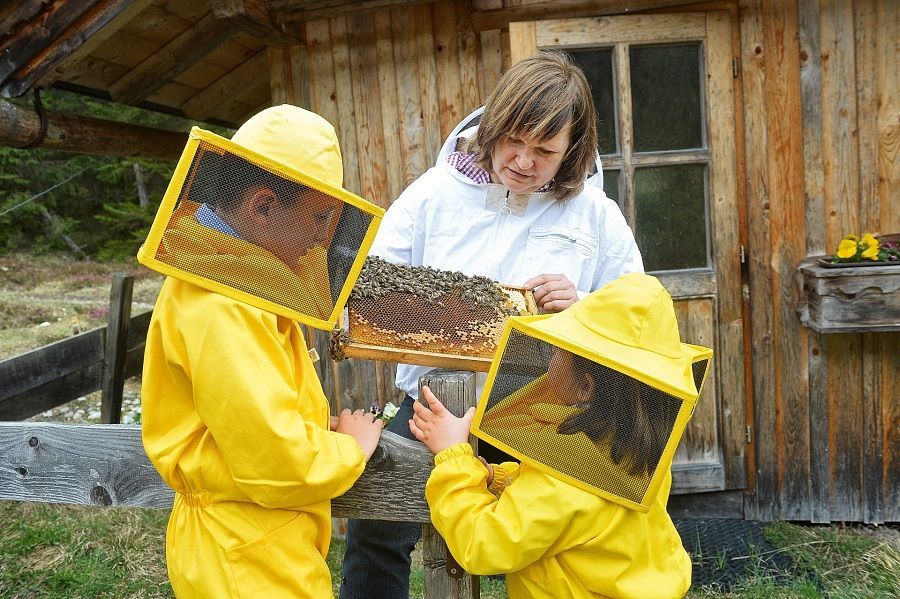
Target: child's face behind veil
[568,385]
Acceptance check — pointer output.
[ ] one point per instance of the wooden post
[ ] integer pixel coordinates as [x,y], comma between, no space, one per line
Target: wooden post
[444,578]
[115,348]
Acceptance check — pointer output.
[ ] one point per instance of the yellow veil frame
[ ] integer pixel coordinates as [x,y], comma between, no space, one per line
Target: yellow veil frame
[148,251]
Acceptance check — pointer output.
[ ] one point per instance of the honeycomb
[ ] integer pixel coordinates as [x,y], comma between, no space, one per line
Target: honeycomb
[429,310]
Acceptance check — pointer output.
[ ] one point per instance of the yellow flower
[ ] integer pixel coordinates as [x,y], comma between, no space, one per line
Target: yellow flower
[871,252]
[869,240]
[852,237]
[847,249]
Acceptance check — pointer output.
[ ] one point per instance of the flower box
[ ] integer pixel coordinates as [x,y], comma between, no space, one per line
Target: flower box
[849,298]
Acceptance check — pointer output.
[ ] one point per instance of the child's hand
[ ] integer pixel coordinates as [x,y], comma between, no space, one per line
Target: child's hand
[360,426]
[437,428]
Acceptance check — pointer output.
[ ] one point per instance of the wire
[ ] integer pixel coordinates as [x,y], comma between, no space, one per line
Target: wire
[46,191]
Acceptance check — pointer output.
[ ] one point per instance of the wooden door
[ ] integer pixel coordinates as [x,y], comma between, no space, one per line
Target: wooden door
[664,90]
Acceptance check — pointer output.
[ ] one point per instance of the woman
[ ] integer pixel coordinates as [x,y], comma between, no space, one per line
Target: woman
[510,200]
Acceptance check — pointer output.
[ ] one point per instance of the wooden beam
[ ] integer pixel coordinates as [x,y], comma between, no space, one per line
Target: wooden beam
[75,43]
[171,60]
[92,34]
[225,89]
[296,11]
[25,40]
[20,126]
[500,18]
[252,17]
[105,465]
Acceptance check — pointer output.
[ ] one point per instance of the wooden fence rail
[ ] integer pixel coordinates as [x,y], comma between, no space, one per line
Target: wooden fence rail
[105,465]
[60,372]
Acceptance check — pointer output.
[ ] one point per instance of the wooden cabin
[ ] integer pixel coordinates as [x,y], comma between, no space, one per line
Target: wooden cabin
[739,137]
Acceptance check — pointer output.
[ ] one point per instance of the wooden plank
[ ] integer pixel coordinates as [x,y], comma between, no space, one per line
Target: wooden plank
[522,41]
[697,477]
[31,372]
[817,359]
[430,102]
[322,91]
[689,284]
[421,358]
[753,59]
[447,67]
[819,427]
[292,11]
[890,433]
[171,60]
[105,465]
[226,88]
[871,429]
[722,504]
[415,159]
[60,372]
[845,441]
[726,247]
[343,85]
[115,348]
[252,17]
[786,176]
[630,29]
[839,123]
[456,390]
[390,116]
[700,443]
[887,145]
[490,50]
[471,71]
[366,92]
[500,18]
[91,35]
[811,102]
[279,65]
[32,37]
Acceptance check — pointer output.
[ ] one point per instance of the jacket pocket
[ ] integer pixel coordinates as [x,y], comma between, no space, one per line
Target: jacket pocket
[282,563]
[556,249]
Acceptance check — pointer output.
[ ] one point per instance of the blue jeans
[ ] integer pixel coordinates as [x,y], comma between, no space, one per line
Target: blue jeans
[377,554]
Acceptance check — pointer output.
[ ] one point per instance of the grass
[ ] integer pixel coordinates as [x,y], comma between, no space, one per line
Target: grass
[73,552]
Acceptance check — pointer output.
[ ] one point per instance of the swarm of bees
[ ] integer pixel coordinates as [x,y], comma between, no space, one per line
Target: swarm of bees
[423,308]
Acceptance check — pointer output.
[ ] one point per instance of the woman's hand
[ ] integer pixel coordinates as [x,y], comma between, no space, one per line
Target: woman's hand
[360,426]
[436,427]
[552,293]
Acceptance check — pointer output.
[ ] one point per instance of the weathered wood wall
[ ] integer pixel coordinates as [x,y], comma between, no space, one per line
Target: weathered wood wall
[821,126]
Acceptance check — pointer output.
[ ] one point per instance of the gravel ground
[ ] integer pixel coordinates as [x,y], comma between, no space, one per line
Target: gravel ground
[86,410]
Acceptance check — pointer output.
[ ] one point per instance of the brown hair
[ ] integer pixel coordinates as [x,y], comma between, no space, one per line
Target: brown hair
[538,97]
[633,419]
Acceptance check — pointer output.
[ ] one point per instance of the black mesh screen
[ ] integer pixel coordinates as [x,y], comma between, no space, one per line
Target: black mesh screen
[579,417]
[241,224]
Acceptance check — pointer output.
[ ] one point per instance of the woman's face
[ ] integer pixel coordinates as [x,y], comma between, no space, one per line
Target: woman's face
[524,165]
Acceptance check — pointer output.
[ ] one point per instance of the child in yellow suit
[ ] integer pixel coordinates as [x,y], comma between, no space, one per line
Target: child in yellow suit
[554,539]
[234,416]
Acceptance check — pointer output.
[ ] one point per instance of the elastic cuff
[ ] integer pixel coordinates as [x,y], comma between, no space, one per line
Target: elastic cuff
[501,479]
[454,451]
